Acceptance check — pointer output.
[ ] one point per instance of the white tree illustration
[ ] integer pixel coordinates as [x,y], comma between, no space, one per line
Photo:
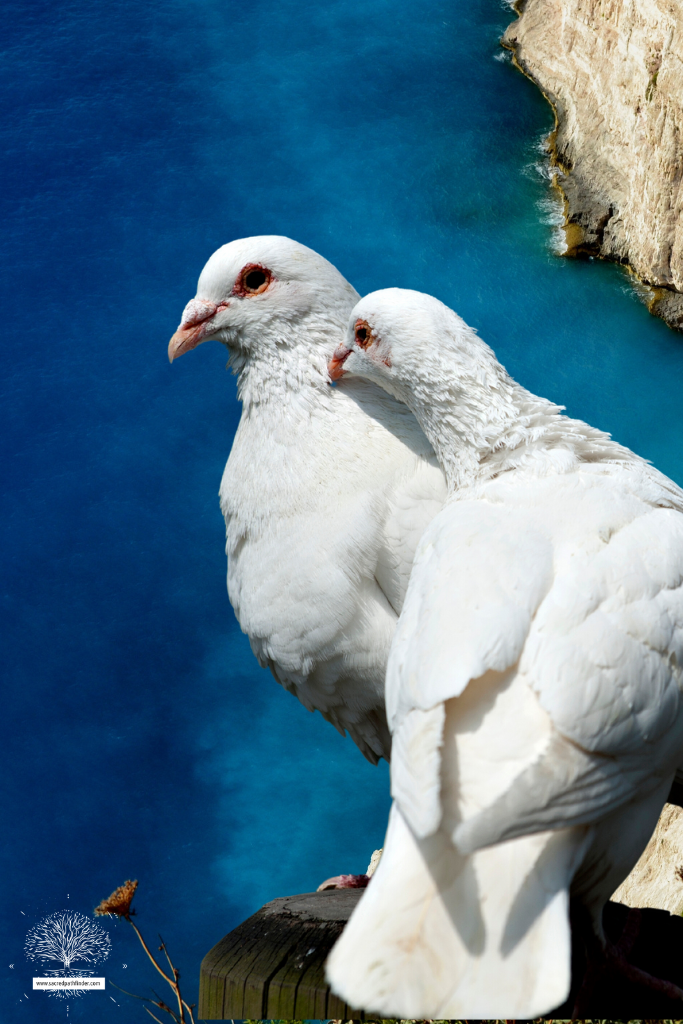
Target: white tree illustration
[67,936]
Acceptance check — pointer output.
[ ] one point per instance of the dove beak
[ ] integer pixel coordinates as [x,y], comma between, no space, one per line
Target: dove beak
[335,367]
[183,340]
[193,331]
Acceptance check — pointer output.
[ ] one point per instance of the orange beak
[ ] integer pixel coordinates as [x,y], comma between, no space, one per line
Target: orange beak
[335,367]
[194,328]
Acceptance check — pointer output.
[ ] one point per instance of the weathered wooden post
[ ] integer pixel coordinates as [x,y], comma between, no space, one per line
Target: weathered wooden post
[272,965]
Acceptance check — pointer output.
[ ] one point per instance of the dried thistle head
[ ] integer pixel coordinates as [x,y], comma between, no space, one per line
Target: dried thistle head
[119,902]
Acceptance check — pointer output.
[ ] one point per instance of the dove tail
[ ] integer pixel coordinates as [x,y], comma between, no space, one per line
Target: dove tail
[439,934]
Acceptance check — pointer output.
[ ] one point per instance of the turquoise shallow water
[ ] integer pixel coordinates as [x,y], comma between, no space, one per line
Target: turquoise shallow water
[142,739]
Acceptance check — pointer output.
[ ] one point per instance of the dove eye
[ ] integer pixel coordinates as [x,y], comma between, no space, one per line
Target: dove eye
[253,280]
[363,334]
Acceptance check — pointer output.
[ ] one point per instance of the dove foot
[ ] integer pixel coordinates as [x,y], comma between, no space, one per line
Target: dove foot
[352,881]
[344,882]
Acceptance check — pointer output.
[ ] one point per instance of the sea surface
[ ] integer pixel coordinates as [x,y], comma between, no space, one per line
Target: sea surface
[140,738]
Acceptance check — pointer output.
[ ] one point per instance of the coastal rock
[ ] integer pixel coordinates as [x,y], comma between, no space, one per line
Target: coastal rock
[613,72]
[655,880]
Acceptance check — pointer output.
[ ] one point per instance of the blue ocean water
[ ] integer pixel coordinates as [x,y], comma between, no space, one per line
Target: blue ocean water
[141,739]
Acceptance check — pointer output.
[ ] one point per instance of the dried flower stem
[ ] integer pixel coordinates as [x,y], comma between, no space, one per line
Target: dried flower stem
[119,905]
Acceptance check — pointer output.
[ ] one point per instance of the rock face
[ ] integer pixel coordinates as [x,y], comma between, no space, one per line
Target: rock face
[655,881]
[613,71]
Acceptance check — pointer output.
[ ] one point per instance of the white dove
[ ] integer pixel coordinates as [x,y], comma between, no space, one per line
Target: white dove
[319,556]
[533,684]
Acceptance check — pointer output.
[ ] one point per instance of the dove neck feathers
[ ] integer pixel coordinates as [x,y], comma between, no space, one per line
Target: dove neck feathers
[481,423]
[276,370]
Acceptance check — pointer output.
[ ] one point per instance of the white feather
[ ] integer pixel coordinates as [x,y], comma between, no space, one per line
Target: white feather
[534,685]
[326,491]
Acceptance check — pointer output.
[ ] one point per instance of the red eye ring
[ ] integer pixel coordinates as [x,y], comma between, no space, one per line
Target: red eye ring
[253,279]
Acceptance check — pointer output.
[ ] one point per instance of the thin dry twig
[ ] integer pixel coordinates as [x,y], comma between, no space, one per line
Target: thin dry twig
[176,976]
[162,1006]
[163,947]
[152,1015]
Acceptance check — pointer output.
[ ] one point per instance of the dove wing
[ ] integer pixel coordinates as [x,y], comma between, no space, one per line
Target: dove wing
[596,636]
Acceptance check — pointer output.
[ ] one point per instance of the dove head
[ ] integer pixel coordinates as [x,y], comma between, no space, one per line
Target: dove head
[424,354]
[410,344]
[278,306]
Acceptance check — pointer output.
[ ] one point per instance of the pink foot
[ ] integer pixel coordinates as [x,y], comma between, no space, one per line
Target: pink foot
[344,882]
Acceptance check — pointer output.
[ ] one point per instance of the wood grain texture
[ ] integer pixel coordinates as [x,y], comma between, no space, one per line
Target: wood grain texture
[272,966]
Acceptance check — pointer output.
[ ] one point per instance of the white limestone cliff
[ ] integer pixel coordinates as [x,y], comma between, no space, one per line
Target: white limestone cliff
[657,878]
[613,72]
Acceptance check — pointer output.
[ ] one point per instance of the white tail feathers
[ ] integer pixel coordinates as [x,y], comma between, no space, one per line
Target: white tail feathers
[442,935]
[416,768]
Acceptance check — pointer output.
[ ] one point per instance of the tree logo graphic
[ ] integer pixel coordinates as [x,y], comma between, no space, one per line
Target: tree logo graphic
[69,938]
